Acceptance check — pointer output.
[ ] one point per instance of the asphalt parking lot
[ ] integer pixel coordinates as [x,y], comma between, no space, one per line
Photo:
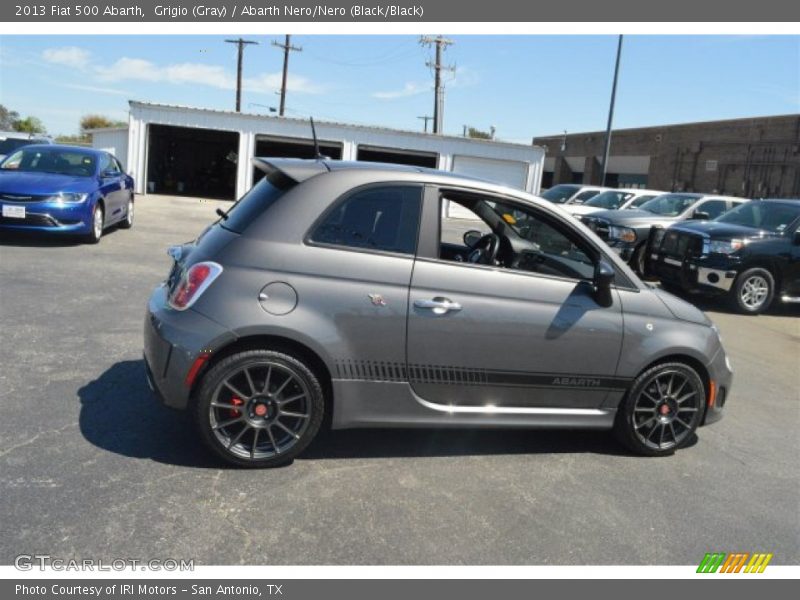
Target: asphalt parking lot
[92,466]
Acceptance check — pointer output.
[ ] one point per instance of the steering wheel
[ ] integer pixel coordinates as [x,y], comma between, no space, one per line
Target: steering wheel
[485,250]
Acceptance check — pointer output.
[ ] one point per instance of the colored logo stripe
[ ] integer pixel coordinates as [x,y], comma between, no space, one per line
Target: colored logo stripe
[711,562]
[734,562]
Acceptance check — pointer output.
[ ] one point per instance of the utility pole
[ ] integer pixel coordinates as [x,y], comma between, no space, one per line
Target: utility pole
[611,113]
[241,44]
[440,43]
[287,47]
[425,118]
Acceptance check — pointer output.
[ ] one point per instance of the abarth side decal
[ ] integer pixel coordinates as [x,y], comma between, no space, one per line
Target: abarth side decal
[360,370]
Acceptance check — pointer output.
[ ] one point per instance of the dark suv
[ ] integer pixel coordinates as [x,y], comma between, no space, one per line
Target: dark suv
[751,254]
[628,231]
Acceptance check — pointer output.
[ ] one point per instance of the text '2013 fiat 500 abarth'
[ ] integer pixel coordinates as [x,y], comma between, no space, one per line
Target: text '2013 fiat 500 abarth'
[342,288]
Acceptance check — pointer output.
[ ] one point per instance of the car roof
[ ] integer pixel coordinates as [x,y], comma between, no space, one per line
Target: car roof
[786,201]
[64,147]
[300,169]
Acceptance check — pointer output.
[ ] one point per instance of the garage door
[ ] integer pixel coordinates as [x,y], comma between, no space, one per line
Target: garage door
[507,172]
[189,161]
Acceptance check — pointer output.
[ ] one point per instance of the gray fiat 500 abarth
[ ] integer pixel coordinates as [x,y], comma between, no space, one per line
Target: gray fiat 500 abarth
[344,290]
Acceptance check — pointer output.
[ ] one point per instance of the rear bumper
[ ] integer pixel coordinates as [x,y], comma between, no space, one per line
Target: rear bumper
[172,342]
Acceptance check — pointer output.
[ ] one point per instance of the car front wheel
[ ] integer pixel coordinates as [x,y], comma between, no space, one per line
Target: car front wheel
[753,291]
[259,408]
[97,223]
[662,410]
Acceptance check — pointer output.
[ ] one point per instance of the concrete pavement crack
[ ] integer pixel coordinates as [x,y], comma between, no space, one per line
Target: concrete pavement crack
[33,439]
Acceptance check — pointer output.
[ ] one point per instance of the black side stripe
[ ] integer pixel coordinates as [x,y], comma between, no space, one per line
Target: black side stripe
[361,370]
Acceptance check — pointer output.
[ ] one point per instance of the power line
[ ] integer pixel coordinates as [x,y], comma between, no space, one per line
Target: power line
[287,48]
[439,43]
[241,44]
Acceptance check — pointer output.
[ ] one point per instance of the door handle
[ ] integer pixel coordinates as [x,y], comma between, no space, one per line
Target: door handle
[438,305]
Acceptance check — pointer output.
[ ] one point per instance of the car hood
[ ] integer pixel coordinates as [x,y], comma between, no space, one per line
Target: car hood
[634,218]
[725,231]
[581,209]
[43,183]
[682,309]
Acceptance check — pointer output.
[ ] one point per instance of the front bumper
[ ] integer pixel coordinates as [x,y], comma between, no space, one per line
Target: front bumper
[721,374]
[172,342]
[49,216]
[713,275]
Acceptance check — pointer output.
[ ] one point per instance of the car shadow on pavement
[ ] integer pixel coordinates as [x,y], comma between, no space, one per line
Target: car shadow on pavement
[46,240]
[120,414]
[30,240]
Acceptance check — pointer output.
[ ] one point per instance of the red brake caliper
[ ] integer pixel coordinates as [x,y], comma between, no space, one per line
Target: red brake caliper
[236,402]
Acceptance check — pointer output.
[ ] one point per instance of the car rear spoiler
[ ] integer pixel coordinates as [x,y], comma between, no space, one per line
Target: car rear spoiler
[295,169]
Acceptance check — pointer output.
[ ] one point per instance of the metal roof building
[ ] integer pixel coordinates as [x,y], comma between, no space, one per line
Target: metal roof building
[207,153]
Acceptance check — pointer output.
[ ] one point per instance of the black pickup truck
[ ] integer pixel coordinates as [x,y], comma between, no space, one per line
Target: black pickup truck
[751,254]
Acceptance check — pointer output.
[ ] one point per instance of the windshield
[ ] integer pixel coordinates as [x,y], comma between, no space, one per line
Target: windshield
[560,193]
[637,202]
[669,205]
[51,160]
[611,199]
[761,215]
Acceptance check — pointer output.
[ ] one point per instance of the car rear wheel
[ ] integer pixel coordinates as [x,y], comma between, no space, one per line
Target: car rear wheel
[753,291]
[662,410]
[259,408]
[127,222]
[98,221]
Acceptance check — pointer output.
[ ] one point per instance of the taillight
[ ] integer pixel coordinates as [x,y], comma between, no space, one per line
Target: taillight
[192,283]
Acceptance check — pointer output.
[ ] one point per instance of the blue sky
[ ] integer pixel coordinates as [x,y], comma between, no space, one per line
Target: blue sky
[522,85]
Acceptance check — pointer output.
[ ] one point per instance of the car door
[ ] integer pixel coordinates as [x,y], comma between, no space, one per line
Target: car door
[489,336]
[112,188]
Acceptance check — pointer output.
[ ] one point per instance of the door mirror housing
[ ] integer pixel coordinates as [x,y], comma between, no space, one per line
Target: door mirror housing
[603,279]
[109,174]
[701,215]
[471,237]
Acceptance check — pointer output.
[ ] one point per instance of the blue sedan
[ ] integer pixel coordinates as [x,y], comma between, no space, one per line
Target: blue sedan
[64,189]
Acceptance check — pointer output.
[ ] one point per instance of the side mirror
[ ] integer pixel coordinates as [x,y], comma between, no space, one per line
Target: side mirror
[471,237]
[108,174]
[603,278]
[701,215]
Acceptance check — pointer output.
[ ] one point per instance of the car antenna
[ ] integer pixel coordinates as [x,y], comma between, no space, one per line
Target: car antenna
[317,154]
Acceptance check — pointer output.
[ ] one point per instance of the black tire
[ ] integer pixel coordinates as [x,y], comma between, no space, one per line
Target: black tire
[648,429]
[127,222]
[265,439]
[95,234]
[753,291]
[637,261]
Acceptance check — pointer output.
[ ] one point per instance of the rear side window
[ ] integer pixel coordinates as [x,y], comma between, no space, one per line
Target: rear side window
[381,218]
[250,206]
